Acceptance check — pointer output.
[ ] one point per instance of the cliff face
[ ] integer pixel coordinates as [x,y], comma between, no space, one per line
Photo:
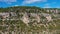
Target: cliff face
[31,14]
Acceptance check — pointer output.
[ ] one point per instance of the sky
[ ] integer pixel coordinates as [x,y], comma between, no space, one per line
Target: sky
[38,3]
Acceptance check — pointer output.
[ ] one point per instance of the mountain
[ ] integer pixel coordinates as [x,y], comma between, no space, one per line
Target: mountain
[30,19]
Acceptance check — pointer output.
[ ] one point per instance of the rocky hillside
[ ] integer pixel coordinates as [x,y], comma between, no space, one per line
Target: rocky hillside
[29,20]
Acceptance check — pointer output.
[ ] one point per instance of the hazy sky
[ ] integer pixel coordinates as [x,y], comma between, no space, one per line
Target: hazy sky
[38,3]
